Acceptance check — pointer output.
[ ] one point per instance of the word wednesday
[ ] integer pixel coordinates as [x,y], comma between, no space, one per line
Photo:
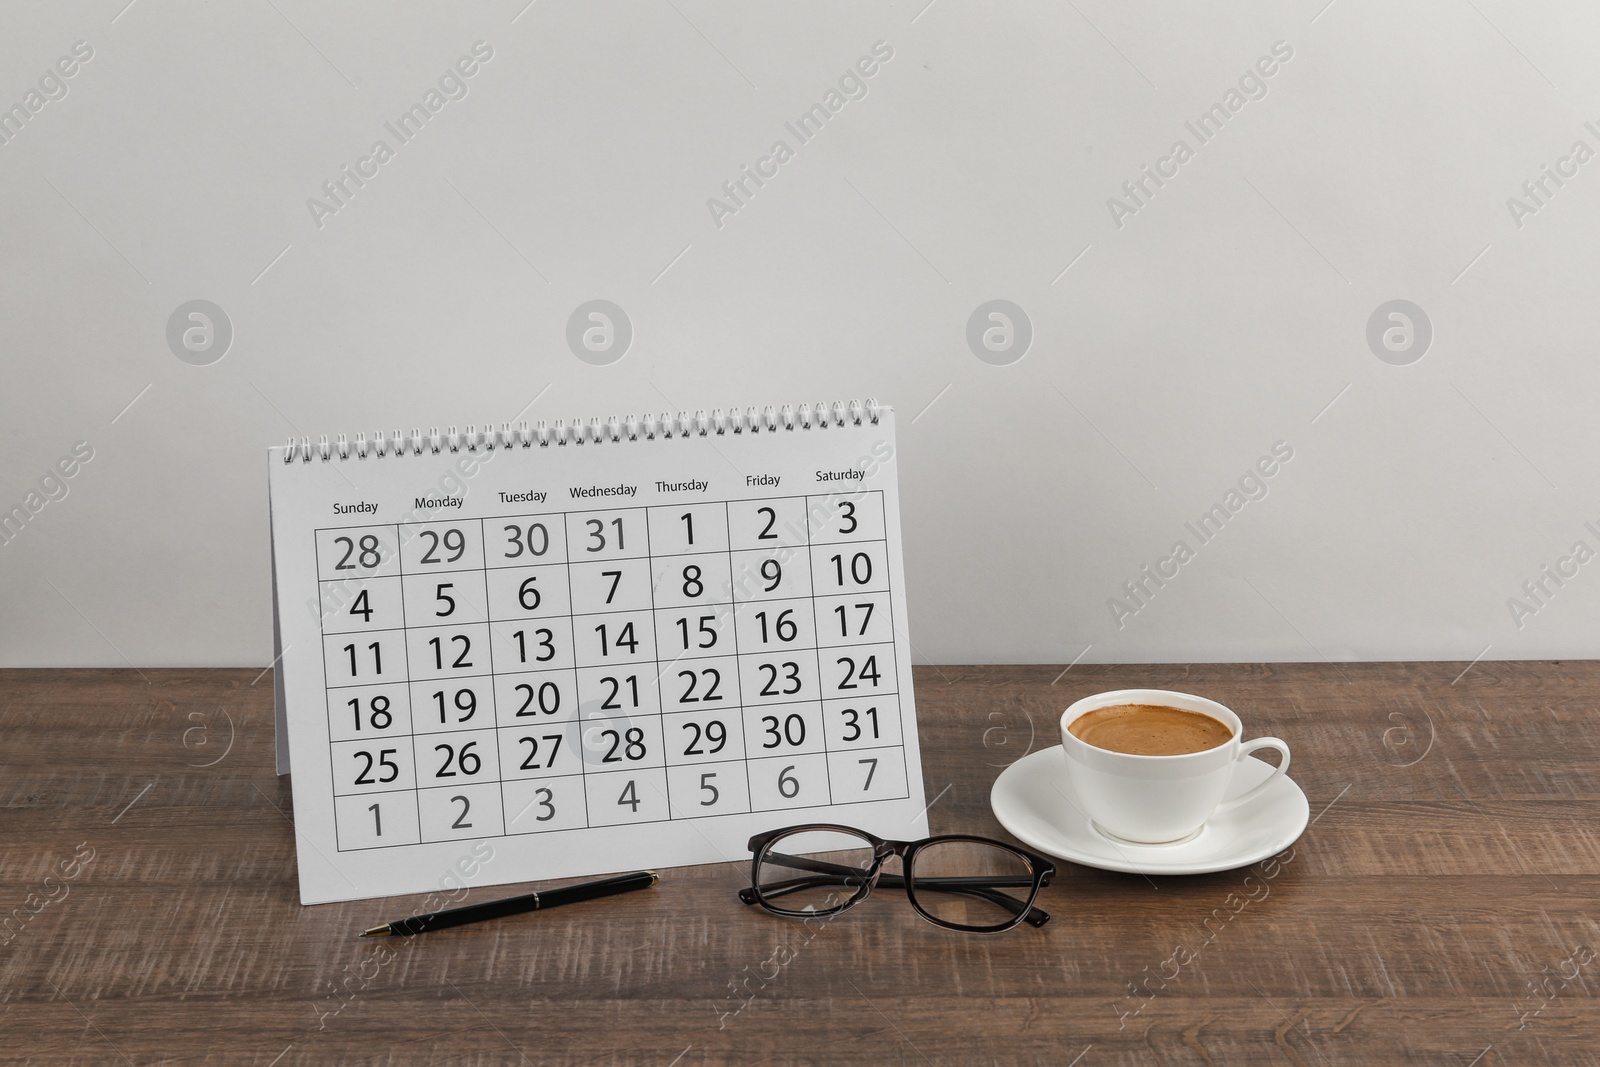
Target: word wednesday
[452,85]
[852,85]
[1252,86]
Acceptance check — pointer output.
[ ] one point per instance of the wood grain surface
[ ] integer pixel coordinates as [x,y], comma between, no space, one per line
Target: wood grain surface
[1441,908]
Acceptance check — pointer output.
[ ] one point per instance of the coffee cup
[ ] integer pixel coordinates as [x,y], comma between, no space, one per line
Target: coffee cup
[1167,786]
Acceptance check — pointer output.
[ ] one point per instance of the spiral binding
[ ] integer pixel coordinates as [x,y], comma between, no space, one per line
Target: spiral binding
[595,431]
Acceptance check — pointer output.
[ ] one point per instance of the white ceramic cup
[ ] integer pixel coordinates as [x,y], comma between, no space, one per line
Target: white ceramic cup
[1158,799]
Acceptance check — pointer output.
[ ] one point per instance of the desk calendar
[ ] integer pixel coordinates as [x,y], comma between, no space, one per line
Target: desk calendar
[568,651]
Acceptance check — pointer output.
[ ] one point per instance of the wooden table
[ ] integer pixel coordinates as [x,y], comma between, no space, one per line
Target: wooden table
[1440,909]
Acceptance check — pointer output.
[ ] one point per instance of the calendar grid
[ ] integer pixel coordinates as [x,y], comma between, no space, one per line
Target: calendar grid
[727,524]
[889,603]
[583,790]
[816,650]
[411,712]
[655,644]
[727,718]
[500,784]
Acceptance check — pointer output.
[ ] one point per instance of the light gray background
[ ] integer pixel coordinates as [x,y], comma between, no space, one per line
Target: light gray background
[1168,354]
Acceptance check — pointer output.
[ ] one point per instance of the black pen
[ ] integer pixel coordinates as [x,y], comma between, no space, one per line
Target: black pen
[494,909]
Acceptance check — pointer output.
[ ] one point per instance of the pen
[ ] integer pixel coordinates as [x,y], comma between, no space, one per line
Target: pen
[494,909]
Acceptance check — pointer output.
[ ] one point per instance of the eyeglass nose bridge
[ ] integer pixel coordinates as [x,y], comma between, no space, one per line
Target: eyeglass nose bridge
[882,852]
[884,849]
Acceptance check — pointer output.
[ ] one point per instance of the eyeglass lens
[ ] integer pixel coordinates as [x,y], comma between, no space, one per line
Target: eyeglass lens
[970,884]
[814,870]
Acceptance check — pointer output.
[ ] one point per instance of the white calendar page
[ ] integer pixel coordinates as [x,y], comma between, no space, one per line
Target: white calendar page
[579,658]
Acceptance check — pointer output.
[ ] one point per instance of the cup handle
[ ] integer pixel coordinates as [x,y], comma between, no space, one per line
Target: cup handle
[1278,772]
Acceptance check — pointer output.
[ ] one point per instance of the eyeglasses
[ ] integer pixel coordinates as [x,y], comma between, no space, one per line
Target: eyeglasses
[956,881]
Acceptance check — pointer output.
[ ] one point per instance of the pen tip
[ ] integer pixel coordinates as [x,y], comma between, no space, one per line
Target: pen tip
[376,931]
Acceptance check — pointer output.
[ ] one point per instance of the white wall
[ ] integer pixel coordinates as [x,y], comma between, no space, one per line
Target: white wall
[1228,313]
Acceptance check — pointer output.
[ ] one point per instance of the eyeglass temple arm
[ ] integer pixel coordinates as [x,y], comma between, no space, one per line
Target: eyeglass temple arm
[840,870]
[843,871]
[975,886]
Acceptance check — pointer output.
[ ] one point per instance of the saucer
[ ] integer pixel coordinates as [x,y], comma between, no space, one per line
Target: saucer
[1032,800]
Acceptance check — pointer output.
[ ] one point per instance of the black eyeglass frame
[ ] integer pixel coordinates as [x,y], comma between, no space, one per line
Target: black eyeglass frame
[986,887]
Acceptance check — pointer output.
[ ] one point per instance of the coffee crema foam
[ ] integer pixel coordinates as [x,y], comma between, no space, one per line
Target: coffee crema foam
[1150,730]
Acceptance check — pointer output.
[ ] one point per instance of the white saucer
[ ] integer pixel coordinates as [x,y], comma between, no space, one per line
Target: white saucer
[1032,800]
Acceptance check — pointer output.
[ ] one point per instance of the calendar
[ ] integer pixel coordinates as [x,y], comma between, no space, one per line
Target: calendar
[550,651]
